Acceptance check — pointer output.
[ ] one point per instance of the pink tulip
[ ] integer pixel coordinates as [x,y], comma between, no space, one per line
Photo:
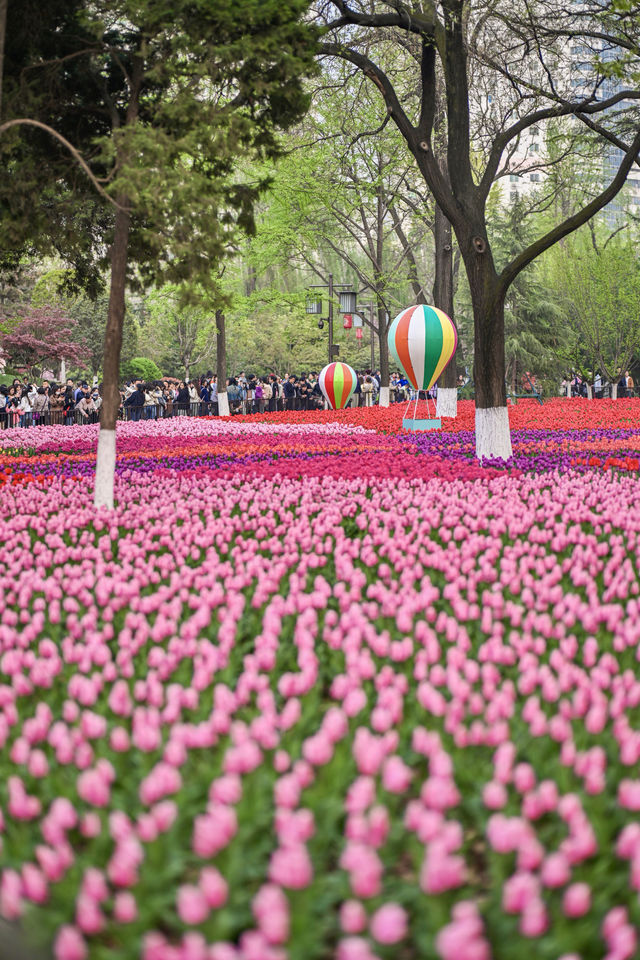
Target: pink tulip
[576,900]
[290,867]
[192,905]
[555,870]
[125,908]
[271,910]
[353,917]
[214,887]
[494,796]
[396,775]
[69,944]
[389,924]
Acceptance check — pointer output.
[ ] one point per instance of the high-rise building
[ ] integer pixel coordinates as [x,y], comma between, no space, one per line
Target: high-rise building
[528,164]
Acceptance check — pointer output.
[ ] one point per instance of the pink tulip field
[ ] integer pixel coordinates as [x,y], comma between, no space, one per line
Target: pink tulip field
[321,690]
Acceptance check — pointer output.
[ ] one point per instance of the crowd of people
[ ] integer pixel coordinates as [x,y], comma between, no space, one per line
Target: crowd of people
[25,403]
[577,386]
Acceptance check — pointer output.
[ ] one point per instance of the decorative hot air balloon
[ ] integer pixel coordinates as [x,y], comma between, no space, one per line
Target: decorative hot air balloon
[337,382]
[423,340]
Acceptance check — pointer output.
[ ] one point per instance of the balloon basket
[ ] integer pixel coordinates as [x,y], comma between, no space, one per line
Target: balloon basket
[413,423]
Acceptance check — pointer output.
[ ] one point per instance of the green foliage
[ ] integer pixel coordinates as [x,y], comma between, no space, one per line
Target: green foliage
[90,315]
[164,103]
[270,332]
[345,201]
[47,205]
[180,337]
[335,201]
[597,277]
[533,317]
[142,368]
[620,19]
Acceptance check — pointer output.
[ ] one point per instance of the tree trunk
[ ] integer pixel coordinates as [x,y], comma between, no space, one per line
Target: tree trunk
[493,437]
[106,456]
[251,280]
[384,356]
[614,390]
[589,392]
[383,399]
[4,5]
[447,403]
[221,364]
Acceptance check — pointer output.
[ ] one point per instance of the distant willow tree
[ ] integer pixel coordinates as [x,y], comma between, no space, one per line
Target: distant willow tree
[598,278]
[185,95]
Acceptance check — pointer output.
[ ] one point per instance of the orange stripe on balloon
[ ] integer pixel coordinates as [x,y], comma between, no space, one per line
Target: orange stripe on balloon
[402,345]
[328,385]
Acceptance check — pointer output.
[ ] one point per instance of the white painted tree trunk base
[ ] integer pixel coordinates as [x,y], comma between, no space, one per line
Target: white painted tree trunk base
[447,402]
[493,436]
[384,397]
[589,392]
[614,391]
[105,469]
[223,404]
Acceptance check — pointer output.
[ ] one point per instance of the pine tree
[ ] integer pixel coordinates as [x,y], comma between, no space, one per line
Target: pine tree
[186,93]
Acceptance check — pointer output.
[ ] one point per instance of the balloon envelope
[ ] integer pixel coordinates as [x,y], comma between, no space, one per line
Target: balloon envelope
[422,339]
[337,382]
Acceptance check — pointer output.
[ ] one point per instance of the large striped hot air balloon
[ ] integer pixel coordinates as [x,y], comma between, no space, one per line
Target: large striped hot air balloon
[337,382]
[423,340]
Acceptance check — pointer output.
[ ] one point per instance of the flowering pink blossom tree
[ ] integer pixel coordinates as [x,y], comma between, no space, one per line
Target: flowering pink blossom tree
[39,337]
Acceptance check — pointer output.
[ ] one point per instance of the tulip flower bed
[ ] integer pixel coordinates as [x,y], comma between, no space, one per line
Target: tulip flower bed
[556,413]
[318,689]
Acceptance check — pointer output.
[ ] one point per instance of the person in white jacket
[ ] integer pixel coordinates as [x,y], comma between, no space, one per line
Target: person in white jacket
[25,408]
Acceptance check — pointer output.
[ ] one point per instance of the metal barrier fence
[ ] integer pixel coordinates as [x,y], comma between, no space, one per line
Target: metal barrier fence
[57,417]
[15,418]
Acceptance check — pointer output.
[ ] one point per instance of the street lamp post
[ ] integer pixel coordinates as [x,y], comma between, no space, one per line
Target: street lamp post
[372,328]
[347,305]
[373,348]
[330,318]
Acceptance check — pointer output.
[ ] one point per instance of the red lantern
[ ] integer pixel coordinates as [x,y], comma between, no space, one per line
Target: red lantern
[348,321]
[358,333]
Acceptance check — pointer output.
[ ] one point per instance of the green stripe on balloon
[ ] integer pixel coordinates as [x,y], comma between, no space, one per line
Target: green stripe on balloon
[338,384]
[432,345]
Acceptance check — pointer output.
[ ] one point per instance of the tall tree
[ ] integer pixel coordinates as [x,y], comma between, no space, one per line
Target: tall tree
[4,5]
[523,51]
[50,200]
[346,196]
[184,95]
